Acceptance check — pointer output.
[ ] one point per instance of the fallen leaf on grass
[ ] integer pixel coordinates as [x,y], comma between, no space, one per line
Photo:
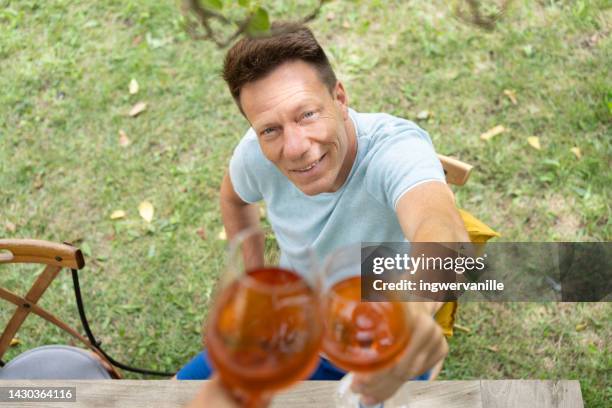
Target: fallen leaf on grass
[494,349]
[117,215]
[462,328]
[10,227]
[592,40]
[38,182]
[493,132]
[201,233]
[124,141]
[511,94]
[137,40]
[15,342]
[145,209]
[346,25]
[534,142]
[577,152]
[222,235]
[138,109]
[133,87]
[424,115]
[580,327]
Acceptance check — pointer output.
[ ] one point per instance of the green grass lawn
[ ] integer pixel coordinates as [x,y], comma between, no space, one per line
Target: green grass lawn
[65,67]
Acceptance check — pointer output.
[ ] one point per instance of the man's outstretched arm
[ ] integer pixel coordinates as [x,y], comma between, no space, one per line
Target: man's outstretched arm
[427,213]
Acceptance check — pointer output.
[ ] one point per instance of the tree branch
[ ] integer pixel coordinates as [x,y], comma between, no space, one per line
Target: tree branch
[204,16]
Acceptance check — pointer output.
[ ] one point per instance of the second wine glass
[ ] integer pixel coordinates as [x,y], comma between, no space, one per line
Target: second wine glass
[361,337]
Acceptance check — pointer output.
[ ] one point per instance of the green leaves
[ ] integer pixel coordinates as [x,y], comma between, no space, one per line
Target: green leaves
[213,4]
[259,23]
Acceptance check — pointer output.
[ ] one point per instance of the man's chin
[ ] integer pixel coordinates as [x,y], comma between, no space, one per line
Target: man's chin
[311,189]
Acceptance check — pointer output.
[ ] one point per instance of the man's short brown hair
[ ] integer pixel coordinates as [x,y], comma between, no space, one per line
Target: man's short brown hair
[252,58]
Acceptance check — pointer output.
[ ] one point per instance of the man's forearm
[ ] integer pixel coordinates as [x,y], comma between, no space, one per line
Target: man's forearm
[238,216]
[443,228]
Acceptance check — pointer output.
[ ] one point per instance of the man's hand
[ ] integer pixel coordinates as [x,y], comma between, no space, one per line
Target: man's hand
[426,348]
[214,394]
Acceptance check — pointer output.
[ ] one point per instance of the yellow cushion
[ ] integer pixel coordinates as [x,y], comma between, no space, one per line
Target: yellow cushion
[479,233]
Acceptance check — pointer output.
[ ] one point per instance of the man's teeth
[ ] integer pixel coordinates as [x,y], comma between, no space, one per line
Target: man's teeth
[311,166]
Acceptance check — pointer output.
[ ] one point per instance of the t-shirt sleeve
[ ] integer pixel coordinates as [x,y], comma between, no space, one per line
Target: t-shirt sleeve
[403,158]
[243,170]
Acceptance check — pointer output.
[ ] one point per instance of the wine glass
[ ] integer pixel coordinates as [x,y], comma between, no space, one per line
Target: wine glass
[264,332]
[361,337]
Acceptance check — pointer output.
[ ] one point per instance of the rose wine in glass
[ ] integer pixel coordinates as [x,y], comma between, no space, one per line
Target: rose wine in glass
[265,330]
[361,337]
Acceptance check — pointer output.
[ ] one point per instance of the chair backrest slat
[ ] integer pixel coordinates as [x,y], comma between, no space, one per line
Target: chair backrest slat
[456,171]
[42,252]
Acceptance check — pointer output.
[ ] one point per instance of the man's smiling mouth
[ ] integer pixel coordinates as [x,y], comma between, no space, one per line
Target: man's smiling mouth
[310,166]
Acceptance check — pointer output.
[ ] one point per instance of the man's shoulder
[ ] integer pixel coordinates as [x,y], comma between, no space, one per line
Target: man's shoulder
[375,125]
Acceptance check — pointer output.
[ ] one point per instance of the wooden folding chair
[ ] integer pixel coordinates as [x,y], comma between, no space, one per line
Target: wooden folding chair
[59,362]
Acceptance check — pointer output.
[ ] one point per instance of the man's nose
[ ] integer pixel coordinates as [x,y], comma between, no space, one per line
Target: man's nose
[296,142]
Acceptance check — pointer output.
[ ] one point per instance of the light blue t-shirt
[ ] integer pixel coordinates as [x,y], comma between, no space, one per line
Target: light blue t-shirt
[393,156]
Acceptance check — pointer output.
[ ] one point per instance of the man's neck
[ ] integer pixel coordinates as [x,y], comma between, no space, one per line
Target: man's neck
[351,152]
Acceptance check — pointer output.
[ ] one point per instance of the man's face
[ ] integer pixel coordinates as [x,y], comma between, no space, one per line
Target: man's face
[302,128]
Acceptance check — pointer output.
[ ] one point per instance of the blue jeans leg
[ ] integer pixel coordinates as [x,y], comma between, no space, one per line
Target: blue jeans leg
[199,368]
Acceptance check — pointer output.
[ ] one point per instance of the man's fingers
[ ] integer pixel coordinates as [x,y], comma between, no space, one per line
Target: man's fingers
[426,348]
[377,387]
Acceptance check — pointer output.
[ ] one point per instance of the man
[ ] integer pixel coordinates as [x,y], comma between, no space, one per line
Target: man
[331,177]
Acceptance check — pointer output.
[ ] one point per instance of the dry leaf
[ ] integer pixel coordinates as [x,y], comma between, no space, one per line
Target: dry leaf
[10,227]
[133,87]
[581,327]
[462,328]
[117,214]
[222,235]
[493,132]
[534,142]
[137,40]
[145,209]
[423,115]
[15,342]
[138,109]
[577,152]
[494,349]
[346,25]
[38,181]
[201,233]
[124,141]
[511,94]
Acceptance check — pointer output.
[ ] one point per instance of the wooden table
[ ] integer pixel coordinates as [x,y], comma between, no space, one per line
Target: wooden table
[418,394]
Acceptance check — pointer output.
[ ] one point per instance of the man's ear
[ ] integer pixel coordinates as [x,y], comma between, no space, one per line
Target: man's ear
[341,98]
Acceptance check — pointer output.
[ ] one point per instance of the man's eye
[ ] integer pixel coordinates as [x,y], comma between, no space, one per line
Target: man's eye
[268,131]
[309,115]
